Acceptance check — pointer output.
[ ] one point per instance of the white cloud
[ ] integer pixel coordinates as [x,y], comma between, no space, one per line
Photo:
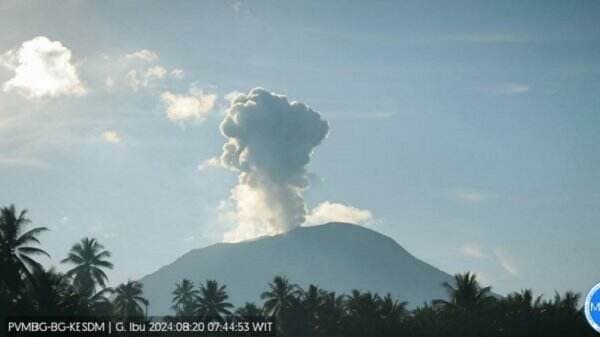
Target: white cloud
[177,73]
[469,196]
[111,136]
[506,261]
[133,80]
[154,73]
[333,212]
[136,79]
[186,107]
[42,68]
[144,55]
[144,69]
[474,251]
[210,163]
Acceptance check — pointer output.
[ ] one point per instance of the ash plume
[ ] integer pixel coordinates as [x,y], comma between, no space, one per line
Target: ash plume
[269,142]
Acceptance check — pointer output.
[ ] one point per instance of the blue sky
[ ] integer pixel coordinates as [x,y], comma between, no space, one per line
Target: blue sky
[468,130]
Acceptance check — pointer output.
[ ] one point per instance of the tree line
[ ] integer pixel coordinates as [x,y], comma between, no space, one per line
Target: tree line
[29,289]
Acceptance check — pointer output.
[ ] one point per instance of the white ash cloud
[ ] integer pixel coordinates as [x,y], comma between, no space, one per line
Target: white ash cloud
[269,142]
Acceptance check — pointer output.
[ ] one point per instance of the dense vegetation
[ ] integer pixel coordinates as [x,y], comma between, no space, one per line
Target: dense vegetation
[26,288]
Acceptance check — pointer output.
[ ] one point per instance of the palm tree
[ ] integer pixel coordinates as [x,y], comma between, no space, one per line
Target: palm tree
[470,308]
[466,294]
[426,320]
[129,300]
[362,304]
[330,315]
[363,313]
[184,298]
[248,311]
[518,314]
[99,304]
[281,295]
[212,302]
[521,303]
[311,301]
[48,292]
[393,314]
[51,293]
[17,248]
[89,258]
[311,298]
[392,309]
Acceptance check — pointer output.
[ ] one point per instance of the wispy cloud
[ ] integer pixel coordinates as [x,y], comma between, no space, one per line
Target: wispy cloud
[143,55]
[177,73]
[136,79]
[142,68]
[22,161]
[482,38]
[497,255]
[132,80]
[470,196]
[506,261]
[154,73]
[474,251]
[507,88]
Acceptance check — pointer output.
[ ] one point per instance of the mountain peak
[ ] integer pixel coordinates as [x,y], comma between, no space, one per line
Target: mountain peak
[335,256]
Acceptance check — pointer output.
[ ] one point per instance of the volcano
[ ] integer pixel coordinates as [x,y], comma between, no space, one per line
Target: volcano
[338,257]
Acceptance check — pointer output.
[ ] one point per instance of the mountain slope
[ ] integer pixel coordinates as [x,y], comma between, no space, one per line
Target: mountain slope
[335,256]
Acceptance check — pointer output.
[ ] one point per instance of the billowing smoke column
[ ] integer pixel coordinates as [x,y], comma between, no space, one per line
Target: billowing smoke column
[270,141]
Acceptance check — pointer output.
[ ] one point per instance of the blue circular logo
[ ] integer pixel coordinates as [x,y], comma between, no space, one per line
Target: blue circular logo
[592,307]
